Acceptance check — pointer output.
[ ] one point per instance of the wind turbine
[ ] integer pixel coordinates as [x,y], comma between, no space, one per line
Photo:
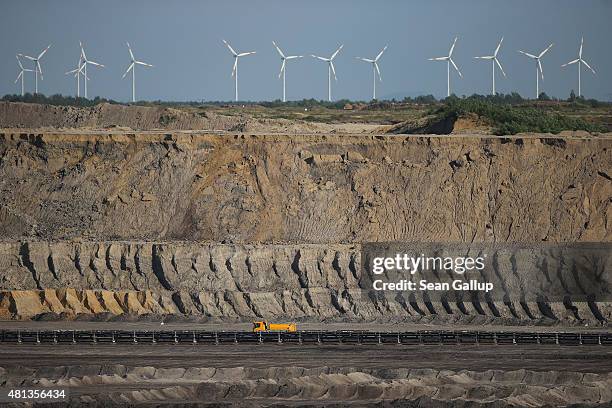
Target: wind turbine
[284,60]
[580,61]
[330,69]
[538,66]
[449,61]
[78,71]
[132,67]
[235,68]
[375,68]
[494,61]
[37,68]
[84,63]
[22,75]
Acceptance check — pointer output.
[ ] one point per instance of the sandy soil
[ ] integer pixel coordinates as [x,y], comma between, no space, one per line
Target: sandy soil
[310,375]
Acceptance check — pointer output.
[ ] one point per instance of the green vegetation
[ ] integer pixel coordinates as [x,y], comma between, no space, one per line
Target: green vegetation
[57,99]
[505,114]
[509,119]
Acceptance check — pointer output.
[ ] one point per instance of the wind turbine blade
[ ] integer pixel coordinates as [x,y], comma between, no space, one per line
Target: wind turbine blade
[527,54]
[19,62]
[244,54]
[83,56]
[235,66]
[130,50]
[142,63]
[234,53]
[588,66]
[540,68]
[294,57]
[95,63]
[380,53]
[44,51]
[19,76]
[39,69]
[571,62]
[498,47]
[486,57]
[26,56]
[438,59]
[378,70]
[73,71]
[336,53]
[321,58]
[128,70]
[580,51]
[365,59]
[500,66]
[279,50]
[282,68]
[545,51]
[331,64]
[456,68]
[452,48]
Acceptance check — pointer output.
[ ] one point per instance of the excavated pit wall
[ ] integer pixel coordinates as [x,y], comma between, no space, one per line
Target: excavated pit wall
[304,189]
[143,203]
[230,281]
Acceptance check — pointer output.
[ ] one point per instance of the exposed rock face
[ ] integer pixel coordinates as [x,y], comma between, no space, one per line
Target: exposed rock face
[304,189]
[145,203]
[308,282]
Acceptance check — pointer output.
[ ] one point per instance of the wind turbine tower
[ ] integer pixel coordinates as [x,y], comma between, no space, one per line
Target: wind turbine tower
[21,75]
[84,62]
[449,61]
[78,71]
[284,60]
[539,70]
[375,69]
[494,60]
[132,67]
[580,61]
[37,68]
[330,69]
[235,68]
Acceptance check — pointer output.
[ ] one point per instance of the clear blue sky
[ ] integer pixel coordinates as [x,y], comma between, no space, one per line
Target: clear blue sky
[183,40]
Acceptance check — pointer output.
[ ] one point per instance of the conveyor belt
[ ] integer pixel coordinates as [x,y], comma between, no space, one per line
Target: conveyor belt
[300,337]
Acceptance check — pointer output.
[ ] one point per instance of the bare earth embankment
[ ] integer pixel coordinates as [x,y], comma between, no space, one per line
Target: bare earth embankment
[131,223]
[111,116]
[227,228]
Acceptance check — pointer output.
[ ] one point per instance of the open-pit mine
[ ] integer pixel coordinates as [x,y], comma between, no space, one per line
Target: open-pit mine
[143,234]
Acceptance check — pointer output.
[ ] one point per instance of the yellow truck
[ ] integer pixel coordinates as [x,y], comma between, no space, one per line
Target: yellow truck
[268,327]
